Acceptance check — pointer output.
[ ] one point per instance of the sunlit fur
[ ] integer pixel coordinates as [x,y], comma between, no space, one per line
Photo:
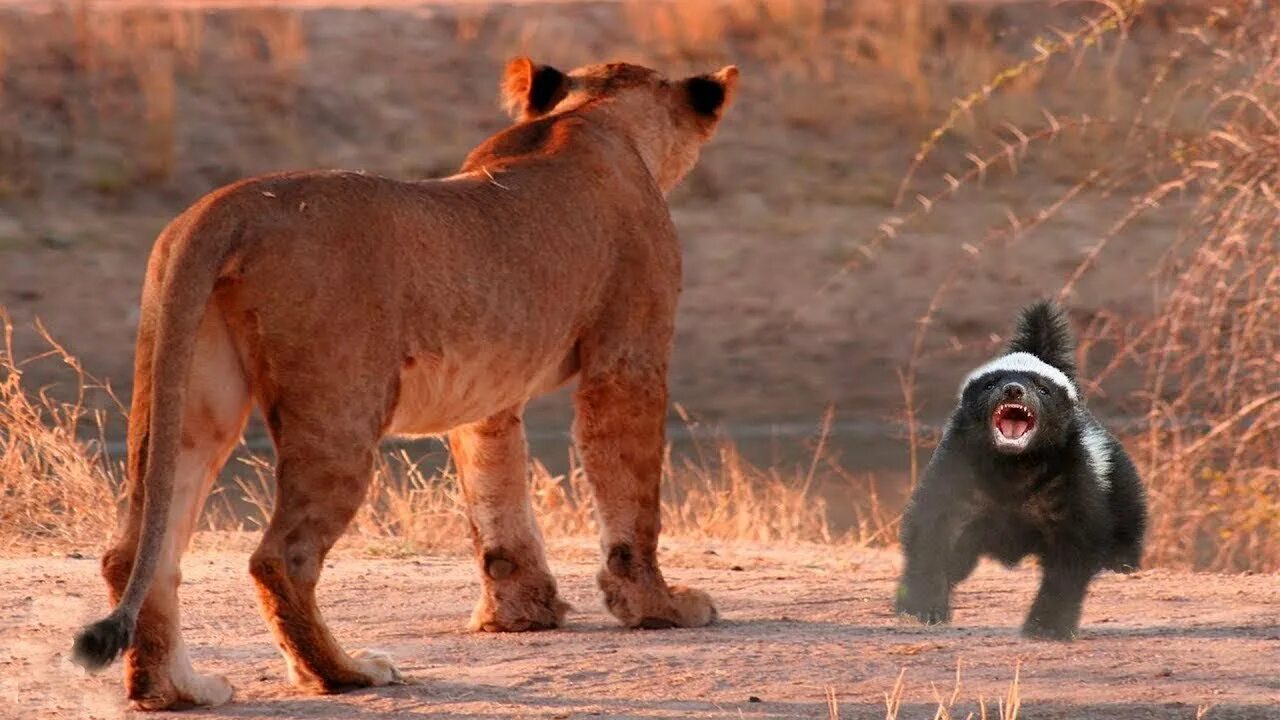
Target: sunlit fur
[1065,492]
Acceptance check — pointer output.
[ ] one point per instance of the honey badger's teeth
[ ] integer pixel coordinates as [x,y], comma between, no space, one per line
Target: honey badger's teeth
[1013,421]
[1016,408]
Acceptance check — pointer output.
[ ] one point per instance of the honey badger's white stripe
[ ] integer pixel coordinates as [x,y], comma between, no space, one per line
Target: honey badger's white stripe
[1097,445]
[1024,362]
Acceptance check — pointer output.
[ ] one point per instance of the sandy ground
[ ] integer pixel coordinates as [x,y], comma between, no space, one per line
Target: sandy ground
[795,623]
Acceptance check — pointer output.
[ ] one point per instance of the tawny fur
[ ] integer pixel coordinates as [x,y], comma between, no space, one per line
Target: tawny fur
[350,307]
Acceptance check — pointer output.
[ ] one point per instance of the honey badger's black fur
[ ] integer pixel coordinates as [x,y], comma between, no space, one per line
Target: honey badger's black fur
[1023,469]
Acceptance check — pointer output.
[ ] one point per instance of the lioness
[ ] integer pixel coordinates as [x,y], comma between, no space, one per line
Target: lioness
[350,307]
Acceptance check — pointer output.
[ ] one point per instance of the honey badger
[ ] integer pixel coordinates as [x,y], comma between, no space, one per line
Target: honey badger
[1023,468]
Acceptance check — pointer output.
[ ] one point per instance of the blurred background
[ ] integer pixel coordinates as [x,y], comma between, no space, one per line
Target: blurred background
[895,180]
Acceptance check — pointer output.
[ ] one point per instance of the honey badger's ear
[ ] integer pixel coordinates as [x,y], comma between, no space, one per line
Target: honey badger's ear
[710,95]
[1044,331]
[530,91]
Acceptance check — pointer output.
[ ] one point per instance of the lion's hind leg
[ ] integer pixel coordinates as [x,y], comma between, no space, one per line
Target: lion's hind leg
[621,413]
[321,481]
[519,593]
[157,672]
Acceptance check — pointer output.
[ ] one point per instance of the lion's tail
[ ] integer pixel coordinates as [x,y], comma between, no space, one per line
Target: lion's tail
[200,246]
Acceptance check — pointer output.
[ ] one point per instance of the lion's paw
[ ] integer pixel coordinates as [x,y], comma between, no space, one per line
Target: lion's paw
[694,608]
[211,690]
[544,613]
[377,667]
[689,609]
[189,689]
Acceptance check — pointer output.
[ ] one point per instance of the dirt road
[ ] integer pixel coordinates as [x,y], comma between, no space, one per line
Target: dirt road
[796,622]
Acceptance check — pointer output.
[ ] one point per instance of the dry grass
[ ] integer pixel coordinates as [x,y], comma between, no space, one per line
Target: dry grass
[56,488]
[60,490]
[946,707]
[417,510]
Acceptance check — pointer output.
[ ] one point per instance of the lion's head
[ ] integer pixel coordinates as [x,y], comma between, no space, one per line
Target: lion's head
[668,120]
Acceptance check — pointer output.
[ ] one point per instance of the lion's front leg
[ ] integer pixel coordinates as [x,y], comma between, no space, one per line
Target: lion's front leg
[519,593]
[621,412]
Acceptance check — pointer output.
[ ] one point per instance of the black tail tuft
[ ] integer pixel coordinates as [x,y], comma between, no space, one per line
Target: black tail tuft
[99,644]
[1044,331]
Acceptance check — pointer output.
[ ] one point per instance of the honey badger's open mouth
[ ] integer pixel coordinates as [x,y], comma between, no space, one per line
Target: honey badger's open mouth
[1013,424]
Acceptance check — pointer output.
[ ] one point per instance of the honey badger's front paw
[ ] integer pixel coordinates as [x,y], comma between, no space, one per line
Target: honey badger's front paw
[921,606]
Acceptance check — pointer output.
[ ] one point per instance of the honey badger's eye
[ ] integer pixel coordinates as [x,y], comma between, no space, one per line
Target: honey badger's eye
[1044,389]
[991,385]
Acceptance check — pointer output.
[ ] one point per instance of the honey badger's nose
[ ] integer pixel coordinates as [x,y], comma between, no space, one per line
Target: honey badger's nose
[1014,391]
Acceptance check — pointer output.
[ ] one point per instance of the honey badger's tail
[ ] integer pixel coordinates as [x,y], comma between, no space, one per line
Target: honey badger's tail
[1044,331]
[197,244]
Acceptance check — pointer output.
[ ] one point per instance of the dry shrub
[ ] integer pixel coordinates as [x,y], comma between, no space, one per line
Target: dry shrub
[425,511]
[60,490]
[734,500]
[1209,356]
[720,497]
[1212,353]
[55,488]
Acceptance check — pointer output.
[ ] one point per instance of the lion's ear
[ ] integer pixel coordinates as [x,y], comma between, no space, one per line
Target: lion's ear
[710,95]
[530,91]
